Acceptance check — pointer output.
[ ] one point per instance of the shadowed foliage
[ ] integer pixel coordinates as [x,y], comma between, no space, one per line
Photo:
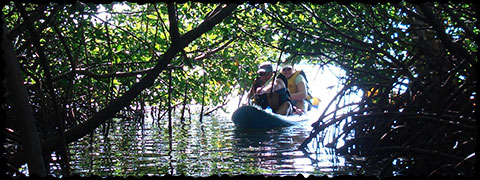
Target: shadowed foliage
[83,64]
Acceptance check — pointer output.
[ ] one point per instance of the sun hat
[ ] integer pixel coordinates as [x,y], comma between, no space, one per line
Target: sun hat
[287,66]
[265,67]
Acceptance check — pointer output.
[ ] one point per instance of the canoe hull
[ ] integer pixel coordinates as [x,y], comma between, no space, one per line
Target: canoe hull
[252,117]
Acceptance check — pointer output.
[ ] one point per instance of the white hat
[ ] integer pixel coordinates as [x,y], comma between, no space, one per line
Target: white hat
[265,67]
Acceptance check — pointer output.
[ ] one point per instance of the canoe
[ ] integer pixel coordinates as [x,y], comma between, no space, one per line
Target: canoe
[253,117]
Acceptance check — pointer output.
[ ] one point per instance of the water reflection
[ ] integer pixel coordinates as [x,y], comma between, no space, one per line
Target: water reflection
[275,149]
[195,149]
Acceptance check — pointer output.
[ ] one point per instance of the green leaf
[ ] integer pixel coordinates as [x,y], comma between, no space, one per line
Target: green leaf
[151,16]
[116,82]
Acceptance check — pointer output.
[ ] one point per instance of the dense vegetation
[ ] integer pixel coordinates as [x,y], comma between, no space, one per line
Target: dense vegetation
[71,68]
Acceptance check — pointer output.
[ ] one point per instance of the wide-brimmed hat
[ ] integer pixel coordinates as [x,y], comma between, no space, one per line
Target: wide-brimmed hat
[265,67]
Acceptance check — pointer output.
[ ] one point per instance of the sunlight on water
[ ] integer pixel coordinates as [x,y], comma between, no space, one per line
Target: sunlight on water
[214,146]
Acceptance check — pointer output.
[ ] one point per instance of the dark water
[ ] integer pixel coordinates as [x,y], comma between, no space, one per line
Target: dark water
[214,146]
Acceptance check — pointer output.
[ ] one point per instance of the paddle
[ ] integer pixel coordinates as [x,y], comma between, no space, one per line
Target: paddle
[279,60]
[273,98]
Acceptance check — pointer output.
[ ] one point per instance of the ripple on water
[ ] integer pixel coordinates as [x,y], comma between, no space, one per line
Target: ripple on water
[195,149]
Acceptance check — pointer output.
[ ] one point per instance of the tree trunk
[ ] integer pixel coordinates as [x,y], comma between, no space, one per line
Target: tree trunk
[21,106]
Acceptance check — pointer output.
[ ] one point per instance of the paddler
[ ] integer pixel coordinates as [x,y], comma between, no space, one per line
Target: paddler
[264,96]
[297,86]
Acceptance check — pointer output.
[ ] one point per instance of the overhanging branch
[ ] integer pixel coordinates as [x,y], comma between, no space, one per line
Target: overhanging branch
[117,104]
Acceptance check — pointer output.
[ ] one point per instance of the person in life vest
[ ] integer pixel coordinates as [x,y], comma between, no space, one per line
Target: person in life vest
[263,95]
[297,86]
